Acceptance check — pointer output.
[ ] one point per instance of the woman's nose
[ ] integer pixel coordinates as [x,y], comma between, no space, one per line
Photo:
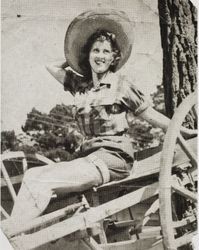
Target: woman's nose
[100,56]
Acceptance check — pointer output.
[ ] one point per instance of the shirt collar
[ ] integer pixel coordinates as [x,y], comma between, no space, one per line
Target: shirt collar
[107,81]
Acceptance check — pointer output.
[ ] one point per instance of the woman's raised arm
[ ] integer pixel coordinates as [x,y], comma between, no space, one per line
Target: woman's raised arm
[57,70]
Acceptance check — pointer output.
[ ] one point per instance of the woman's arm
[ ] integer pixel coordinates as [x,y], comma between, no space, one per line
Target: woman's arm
[159,120]
[57,69]
[155,118]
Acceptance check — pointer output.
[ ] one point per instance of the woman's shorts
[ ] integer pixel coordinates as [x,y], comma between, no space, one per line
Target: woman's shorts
[111,161]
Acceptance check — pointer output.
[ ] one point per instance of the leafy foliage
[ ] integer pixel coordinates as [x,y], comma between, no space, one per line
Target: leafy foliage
[158,99]
[142,133]
[56,134]
[8,141]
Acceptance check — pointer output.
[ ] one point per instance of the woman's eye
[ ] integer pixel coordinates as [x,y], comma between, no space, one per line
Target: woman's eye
[95,50]
[107,51]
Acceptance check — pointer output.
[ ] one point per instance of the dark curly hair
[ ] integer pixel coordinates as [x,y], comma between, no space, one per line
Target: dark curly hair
[99,35]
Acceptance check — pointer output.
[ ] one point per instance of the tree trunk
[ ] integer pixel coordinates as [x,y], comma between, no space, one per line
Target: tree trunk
[178,27]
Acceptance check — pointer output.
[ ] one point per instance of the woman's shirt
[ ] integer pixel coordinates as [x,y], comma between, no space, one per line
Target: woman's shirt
[102,112]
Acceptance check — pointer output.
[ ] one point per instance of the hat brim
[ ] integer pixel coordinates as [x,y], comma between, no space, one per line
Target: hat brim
[83,26]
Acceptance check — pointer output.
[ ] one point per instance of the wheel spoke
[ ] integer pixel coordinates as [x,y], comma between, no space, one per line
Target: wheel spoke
[187,149]
[184,192]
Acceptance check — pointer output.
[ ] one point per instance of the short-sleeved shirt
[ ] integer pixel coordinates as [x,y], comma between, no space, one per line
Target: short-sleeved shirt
[101,113]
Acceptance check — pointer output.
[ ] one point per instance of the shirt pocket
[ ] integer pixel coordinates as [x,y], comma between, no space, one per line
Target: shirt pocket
[103,97]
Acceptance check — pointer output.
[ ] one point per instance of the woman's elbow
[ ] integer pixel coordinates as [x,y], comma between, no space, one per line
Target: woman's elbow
[57,73]
[47,66]
[51,70]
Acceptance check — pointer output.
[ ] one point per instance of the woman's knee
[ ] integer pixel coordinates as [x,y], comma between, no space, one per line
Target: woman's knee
[33,181]
[32,173]
[37,172]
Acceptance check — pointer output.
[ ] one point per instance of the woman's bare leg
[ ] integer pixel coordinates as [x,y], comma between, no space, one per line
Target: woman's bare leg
[39,184]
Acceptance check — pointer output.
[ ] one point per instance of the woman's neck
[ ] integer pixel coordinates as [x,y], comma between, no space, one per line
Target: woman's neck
[97,78]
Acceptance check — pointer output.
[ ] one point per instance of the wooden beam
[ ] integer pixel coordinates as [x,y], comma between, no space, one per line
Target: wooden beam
[91,243]
[125,223]
[142,244]
[20,154]
[3,211]
[184,222]
[8,182]
[10,155]
[14,180]
[12,230]
[153,209]
[185,239]
[184,192]
[44,159]
[188,150]
[83,220]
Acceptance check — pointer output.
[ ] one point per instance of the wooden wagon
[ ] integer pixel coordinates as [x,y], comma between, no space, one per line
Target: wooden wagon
[154,208]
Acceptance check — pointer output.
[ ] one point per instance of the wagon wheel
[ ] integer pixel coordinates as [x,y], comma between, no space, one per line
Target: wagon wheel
[10,181]
[167,185]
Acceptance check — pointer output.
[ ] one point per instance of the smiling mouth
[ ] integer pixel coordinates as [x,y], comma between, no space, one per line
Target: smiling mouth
[98,62]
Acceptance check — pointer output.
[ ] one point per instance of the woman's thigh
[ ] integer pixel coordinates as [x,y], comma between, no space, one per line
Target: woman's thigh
[77,175]
[73,176]
[117,165]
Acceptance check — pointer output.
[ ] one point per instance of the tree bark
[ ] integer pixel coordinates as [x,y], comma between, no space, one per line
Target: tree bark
[178,27]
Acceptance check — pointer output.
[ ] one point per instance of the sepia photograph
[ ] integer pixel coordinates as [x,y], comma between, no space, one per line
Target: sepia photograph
[99,125]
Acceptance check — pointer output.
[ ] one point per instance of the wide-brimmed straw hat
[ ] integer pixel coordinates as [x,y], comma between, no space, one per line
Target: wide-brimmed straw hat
[87,23]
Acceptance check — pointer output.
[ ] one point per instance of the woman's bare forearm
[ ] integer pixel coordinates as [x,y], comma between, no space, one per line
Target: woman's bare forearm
[57,70]
[157,119]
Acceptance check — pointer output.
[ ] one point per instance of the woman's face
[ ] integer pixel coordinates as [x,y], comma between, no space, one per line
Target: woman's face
[101,56]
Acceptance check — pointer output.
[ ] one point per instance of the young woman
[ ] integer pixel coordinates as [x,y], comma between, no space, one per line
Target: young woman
[97,45]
